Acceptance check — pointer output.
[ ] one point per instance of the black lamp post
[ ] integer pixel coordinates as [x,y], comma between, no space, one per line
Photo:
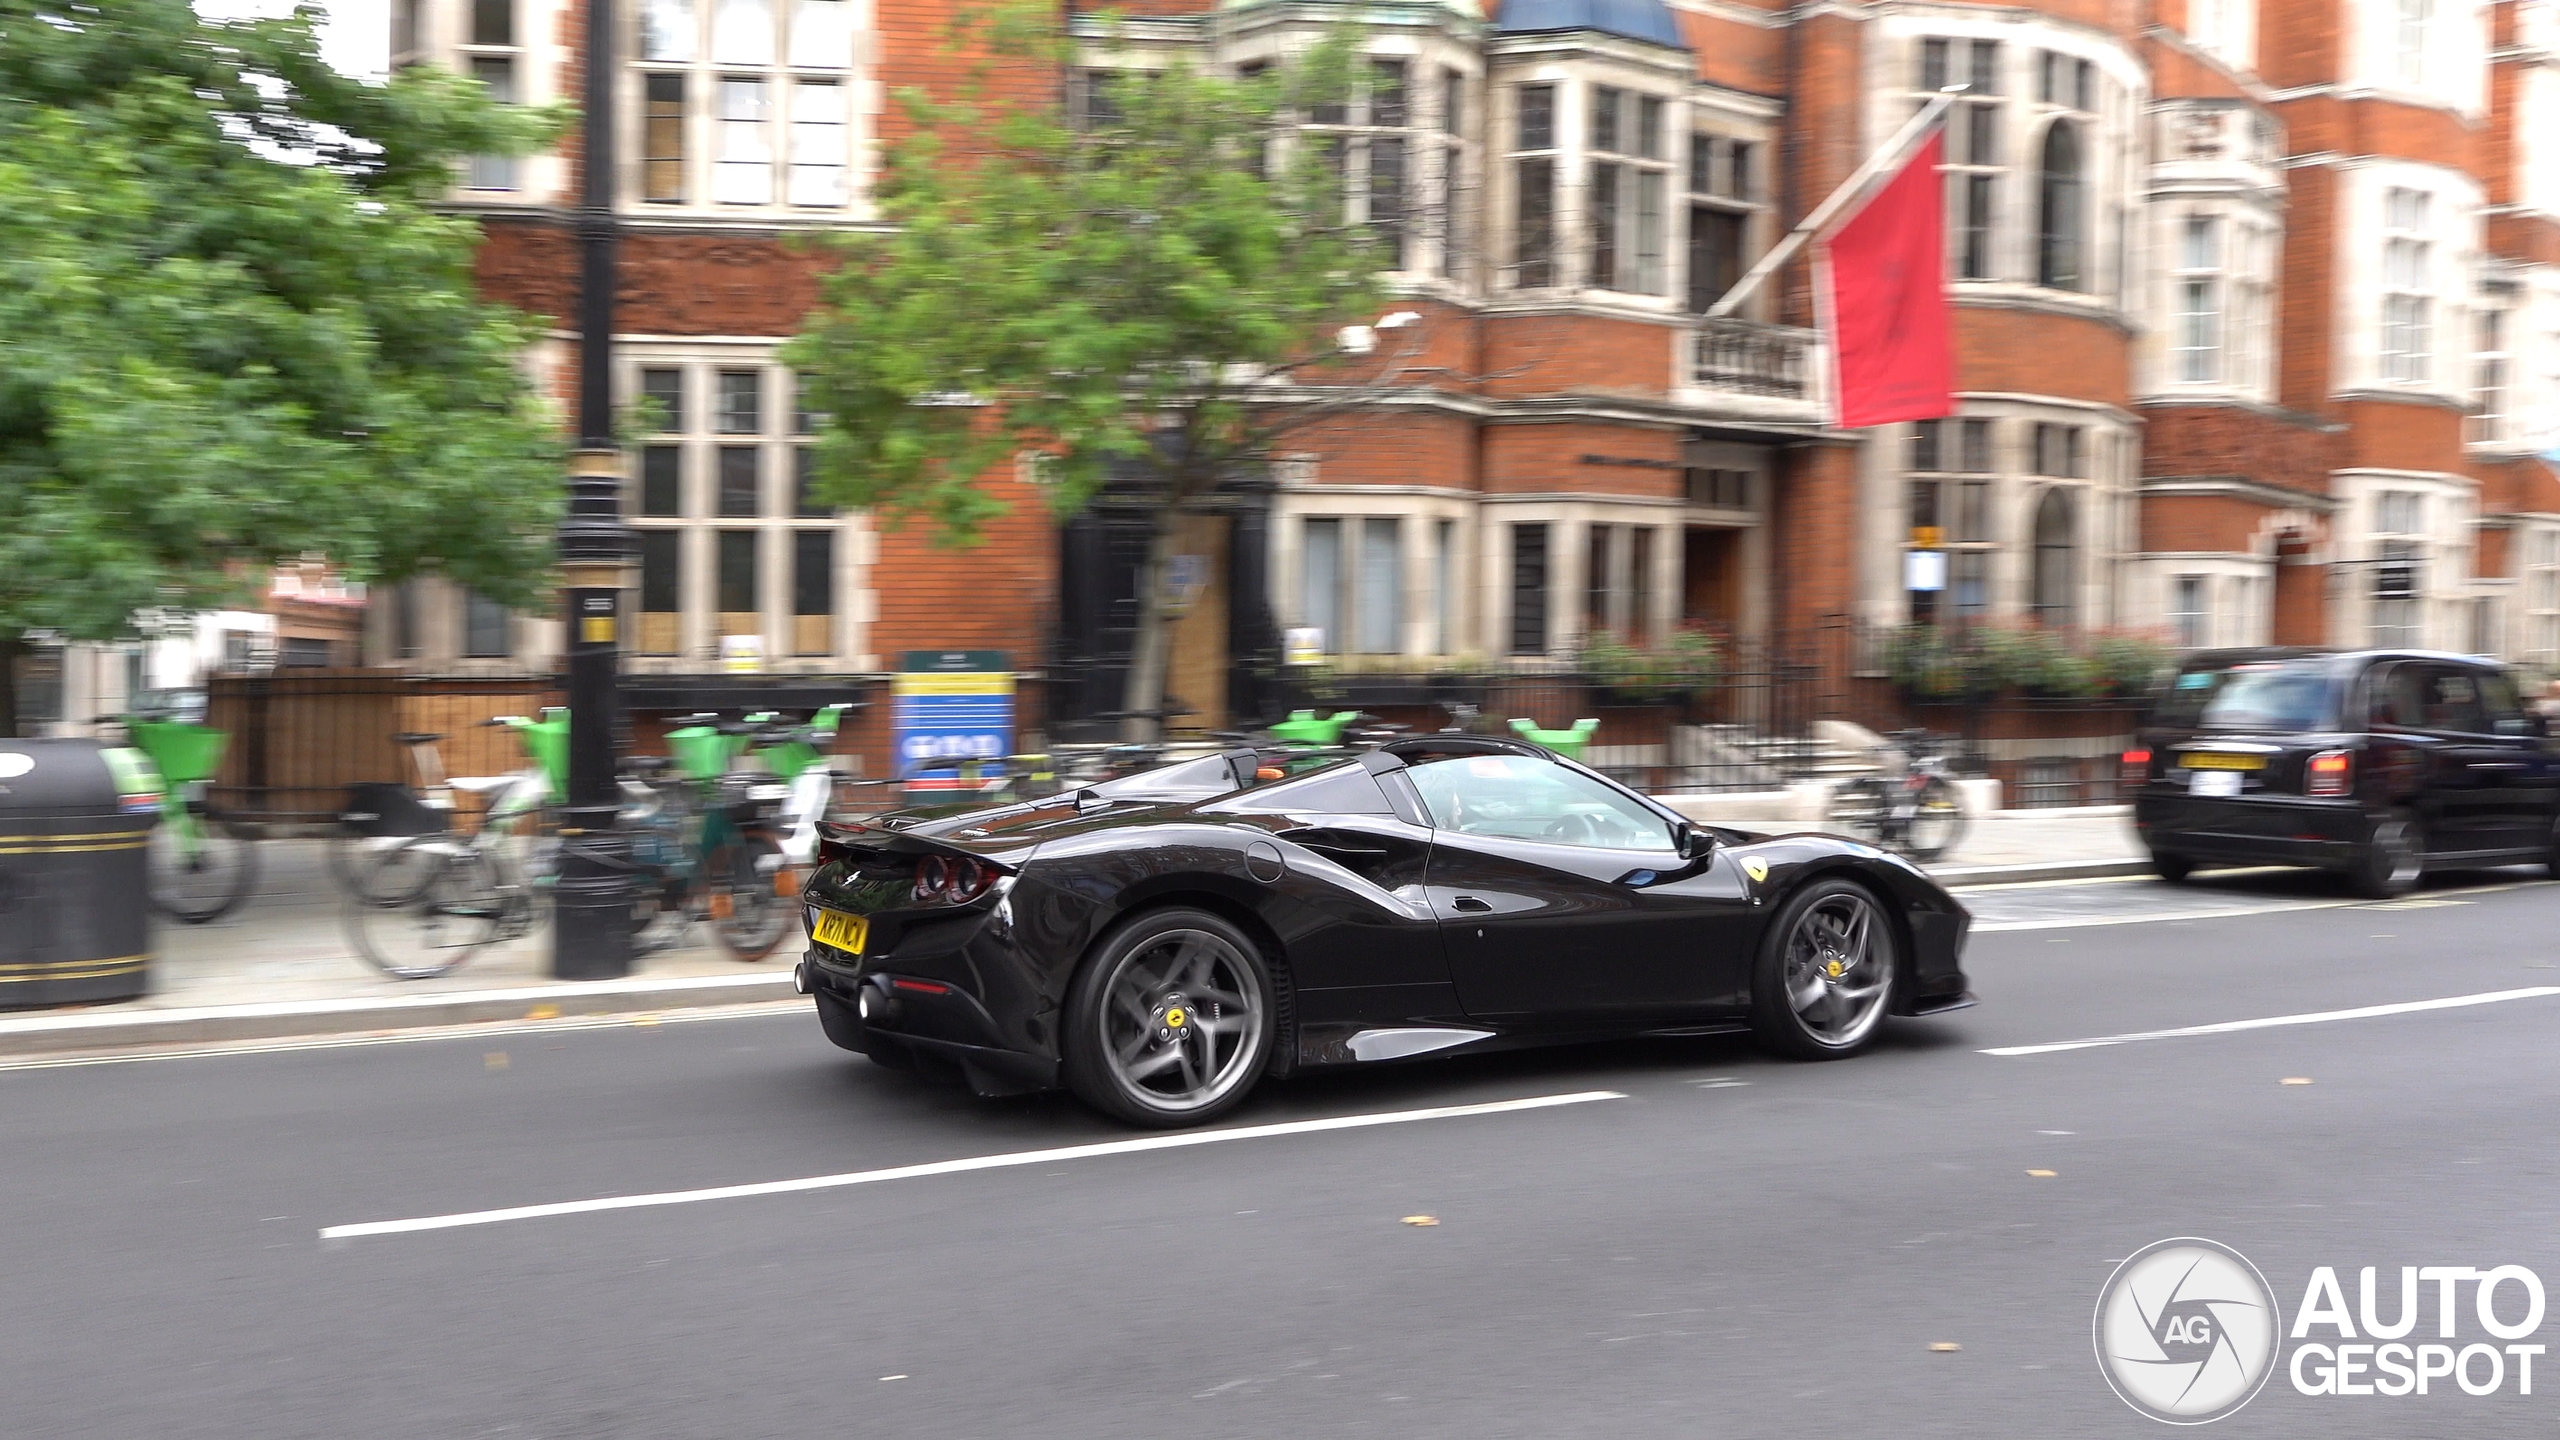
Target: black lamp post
[592,937]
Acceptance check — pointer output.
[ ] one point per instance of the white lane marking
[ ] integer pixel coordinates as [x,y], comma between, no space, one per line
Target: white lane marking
[2073,922]
[957,1167]
[2317,1017]
[287,1044]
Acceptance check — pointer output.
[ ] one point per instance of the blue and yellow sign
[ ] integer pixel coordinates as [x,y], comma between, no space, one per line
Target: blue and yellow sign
[954,707]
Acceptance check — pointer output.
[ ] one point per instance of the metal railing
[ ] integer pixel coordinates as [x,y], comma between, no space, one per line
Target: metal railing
[1752,358]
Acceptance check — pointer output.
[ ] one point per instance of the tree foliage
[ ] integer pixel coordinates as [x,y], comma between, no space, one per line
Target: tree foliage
[237,331]
[1124,291]
[1128,299]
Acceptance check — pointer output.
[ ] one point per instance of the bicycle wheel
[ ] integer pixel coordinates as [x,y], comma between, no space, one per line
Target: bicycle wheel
[199,871]
[1858,809]
[1937,821]
[749,912]
[447,902]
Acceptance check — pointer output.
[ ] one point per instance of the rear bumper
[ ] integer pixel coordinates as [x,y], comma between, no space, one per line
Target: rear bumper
[2265,829]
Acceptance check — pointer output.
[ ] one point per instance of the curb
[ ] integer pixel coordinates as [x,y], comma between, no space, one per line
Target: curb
[93,1030]
[1958,877]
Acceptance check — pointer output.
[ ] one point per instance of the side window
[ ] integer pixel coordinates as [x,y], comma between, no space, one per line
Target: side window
[2451,698]
[2392,698]
[2498,703]
[1518,797]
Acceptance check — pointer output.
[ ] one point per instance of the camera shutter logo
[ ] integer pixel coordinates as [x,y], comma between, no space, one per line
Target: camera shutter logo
[2187,1331]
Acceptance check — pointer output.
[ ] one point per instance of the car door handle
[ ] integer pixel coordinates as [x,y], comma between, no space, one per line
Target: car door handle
[1471,905]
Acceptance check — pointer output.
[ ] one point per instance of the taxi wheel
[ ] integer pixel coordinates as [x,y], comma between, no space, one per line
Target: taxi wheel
[2551,853]
[2392,859]
[2173,868]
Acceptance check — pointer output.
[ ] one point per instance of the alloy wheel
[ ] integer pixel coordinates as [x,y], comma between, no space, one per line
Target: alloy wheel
[1838,969]
[1182,1022]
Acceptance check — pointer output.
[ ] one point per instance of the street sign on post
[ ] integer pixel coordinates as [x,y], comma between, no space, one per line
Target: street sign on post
[953,707]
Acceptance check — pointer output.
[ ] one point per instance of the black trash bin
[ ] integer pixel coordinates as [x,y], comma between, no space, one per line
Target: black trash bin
[75,908]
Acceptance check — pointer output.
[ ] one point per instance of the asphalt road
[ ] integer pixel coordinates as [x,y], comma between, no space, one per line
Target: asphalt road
[1738,1246]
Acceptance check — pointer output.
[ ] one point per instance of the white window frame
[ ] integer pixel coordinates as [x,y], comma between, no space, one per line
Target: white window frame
[2406,352]
[789,156]
[2200,313]
[1976,123]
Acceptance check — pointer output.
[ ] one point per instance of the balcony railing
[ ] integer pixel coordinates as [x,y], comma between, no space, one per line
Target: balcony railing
[1750,358]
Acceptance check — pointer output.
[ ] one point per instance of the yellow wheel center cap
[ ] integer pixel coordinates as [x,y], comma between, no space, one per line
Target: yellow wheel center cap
[1173,1018]
[1833,969]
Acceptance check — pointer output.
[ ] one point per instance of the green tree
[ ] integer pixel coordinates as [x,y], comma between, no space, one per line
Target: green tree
[1150,299]
[233,329]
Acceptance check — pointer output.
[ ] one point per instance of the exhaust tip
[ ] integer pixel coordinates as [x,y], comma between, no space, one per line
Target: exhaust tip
[800,977]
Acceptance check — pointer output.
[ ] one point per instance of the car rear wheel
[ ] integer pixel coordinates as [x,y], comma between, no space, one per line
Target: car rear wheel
[2392,859]
[2551,852]
[1171,1021]
[2173,868]
[1826,973]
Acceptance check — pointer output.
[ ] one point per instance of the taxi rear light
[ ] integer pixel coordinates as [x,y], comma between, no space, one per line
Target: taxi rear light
[2137,766]
[2331,772]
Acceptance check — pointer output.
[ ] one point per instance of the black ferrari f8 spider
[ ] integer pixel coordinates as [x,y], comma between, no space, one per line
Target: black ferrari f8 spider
[1161,942]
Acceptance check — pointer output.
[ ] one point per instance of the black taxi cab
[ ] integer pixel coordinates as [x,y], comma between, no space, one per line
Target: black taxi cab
[2380,764]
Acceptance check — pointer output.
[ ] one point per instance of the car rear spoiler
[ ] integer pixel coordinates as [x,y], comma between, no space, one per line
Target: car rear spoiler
[858,842]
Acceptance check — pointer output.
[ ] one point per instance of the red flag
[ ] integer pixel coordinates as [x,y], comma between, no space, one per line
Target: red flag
[1885,296]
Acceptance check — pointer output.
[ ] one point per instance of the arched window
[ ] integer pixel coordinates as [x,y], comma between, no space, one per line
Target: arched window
[2056,567]
[2060,224]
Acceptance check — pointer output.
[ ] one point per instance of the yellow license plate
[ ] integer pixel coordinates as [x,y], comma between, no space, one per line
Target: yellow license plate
[2216,760]
[844,932]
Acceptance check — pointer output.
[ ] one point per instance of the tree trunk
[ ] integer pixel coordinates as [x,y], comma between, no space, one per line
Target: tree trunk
[1151,648]
[11,647]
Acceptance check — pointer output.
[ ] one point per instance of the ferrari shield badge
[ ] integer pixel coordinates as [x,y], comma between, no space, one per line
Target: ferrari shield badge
[1756,868]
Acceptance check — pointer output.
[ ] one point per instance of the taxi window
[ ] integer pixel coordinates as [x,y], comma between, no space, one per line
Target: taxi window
[2449,699]
[2283,697]
[1520,797]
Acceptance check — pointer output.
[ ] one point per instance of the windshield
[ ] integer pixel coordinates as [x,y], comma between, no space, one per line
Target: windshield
[1518,797]
[2284,696]
[1180,782]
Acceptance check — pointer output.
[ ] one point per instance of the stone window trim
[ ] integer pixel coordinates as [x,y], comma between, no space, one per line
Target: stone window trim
[2539,607]
[1975,166]
[1533,158]
[1626,190]
[782,134]
[700,445]
[2490,418]
[2406,348]
[1382,136]
[498,59]
[1425,620]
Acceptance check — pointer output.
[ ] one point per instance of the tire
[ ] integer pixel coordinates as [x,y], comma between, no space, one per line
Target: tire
[1171,1020]
[2173,868]
[748,912]
[1827,972]
[2391,860]
[356,860]
[2551,852]
[450,903]
[1937,821]
[1858,808]
[200,871]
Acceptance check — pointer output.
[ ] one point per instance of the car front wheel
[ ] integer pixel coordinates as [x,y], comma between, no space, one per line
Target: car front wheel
[1171,1021]
[1826,973]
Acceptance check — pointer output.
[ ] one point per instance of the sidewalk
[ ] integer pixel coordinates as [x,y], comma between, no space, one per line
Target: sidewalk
[281,966]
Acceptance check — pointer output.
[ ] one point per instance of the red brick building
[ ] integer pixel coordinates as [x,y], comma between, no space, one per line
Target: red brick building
[2258,314]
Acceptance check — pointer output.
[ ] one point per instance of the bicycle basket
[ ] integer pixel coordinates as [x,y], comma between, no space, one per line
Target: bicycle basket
[702,752]
[547,742]
[185,753]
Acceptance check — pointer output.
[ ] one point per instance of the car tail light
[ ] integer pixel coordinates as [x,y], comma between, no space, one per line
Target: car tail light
[2137,766]
[952,880]
[921,987]
[2331,772]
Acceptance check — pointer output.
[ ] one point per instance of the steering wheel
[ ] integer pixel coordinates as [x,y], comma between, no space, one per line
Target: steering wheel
[1579,828]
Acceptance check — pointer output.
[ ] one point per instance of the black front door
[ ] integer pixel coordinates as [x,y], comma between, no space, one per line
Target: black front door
[1564,931]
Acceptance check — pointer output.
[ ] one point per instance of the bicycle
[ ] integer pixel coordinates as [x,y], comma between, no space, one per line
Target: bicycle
[382,815]
[426,905]
[724,822]
[199,869]
[1914,812]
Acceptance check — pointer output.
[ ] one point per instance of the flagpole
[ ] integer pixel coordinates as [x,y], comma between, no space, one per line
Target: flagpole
[1883,159]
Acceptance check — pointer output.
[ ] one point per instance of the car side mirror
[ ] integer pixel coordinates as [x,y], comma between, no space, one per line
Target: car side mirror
[1696,844]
